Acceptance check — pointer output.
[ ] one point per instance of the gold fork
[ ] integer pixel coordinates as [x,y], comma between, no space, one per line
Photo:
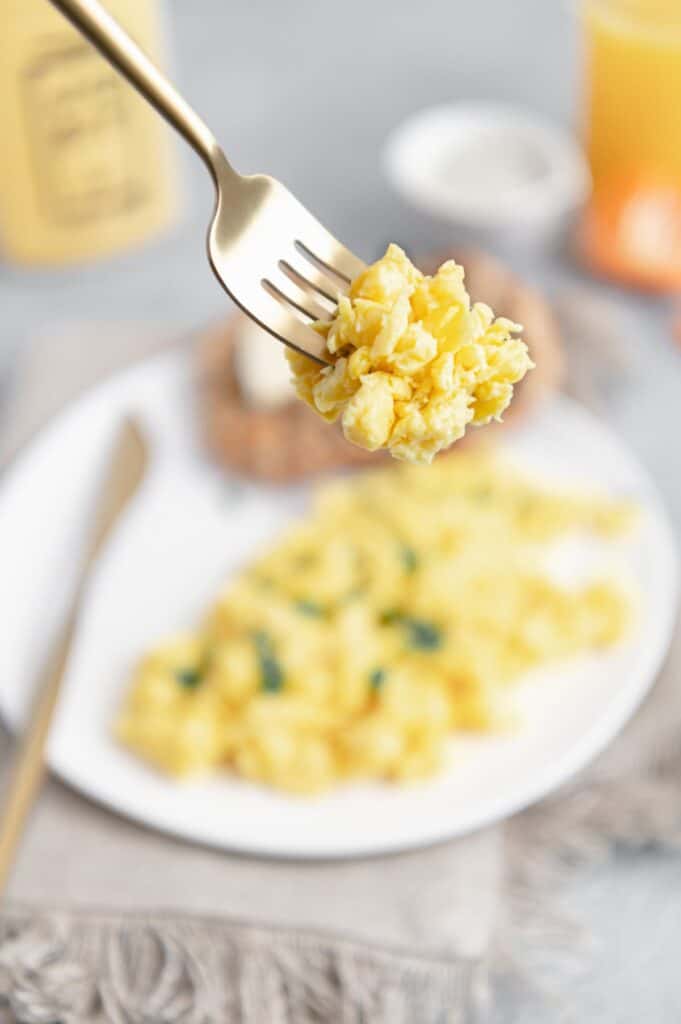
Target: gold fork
[125,474]
[267,250]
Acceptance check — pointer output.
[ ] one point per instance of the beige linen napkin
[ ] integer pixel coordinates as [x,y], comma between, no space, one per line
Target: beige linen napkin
[409,939]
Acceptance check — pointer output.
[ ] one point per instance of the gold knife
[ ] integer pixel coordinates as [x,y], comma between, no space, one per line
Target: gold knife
[125,473]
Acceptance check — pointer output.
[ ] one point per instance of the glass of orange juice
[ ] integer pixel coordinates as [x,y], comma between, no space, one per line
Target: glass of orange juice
[632,61]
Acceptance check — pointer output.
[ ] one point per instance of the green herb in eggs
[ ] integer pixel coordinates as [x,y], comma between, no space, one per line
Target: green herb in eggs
[377,678]
[409,559]
[271,672]
[188,677]
[390,616]
[310,608]
[423,636]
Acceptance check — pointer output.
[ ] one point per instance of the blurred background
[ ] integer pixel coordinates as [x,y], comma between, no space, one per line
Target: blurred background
[314,94]
[313,98]
[310,96]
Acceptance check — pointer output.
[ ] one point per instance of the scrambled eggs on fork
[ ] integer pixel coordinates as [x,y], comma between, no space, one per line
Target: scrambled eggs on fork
[412,362]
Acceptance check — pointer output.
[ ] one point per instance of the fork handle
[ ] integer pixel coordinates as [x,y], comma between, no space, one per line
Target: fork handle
[114,43]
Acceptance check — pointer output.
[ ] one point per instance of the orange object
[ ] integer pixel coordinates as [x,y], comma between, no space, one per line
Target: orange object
[676,327]
[632,226]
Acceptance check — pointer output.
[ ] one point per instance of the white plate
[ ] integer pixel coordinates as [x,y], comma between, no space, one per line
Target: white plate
[189,527]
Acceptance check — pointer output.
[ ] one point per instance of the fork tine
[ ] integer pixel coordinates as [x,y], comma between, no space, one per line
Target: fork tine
[287,290]
[309,275]
[324,249]
[285,325]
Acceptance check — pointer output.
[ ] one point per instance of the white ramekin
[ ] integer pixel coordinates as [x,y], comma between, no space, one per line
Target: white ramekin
[488,169]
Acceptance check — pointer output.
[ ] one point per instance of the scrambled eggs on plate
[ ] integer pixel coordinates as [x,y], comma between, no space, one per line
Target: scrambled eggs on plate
[397,614]
[412,362]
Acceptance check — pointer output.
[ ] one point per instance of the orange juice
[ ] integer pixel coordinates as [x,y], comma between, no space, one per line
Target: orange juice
[632,228]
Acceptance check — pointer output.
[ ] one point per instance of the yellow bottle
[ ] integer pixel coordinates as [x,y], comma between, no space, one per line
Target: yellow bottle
[86,167]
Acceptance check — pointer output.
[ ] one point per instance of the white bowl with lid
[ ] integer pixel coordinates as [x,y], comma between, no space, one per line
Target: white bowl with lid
[489,169]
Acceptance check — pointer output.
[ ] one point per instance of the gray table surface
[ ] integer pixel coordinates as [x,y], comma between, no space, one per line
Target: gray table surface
[308,91]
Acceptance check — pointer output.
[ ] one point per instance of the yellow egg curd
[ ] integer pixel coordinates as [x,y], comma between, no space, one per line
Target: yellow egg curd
[395,616]
[411,361]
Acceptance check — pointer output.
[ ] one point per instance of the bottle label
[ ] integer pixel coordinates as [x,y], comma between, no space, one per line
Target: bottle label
[80,115]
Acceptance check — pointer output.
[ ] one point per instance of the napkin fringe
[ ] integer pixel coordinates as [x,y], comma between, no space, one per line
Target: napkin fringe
[78,968]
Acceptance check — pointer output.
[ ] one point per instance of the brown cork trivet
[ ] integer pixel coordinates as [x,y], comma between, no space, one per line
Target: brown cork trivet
[292,443]
[278,445]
